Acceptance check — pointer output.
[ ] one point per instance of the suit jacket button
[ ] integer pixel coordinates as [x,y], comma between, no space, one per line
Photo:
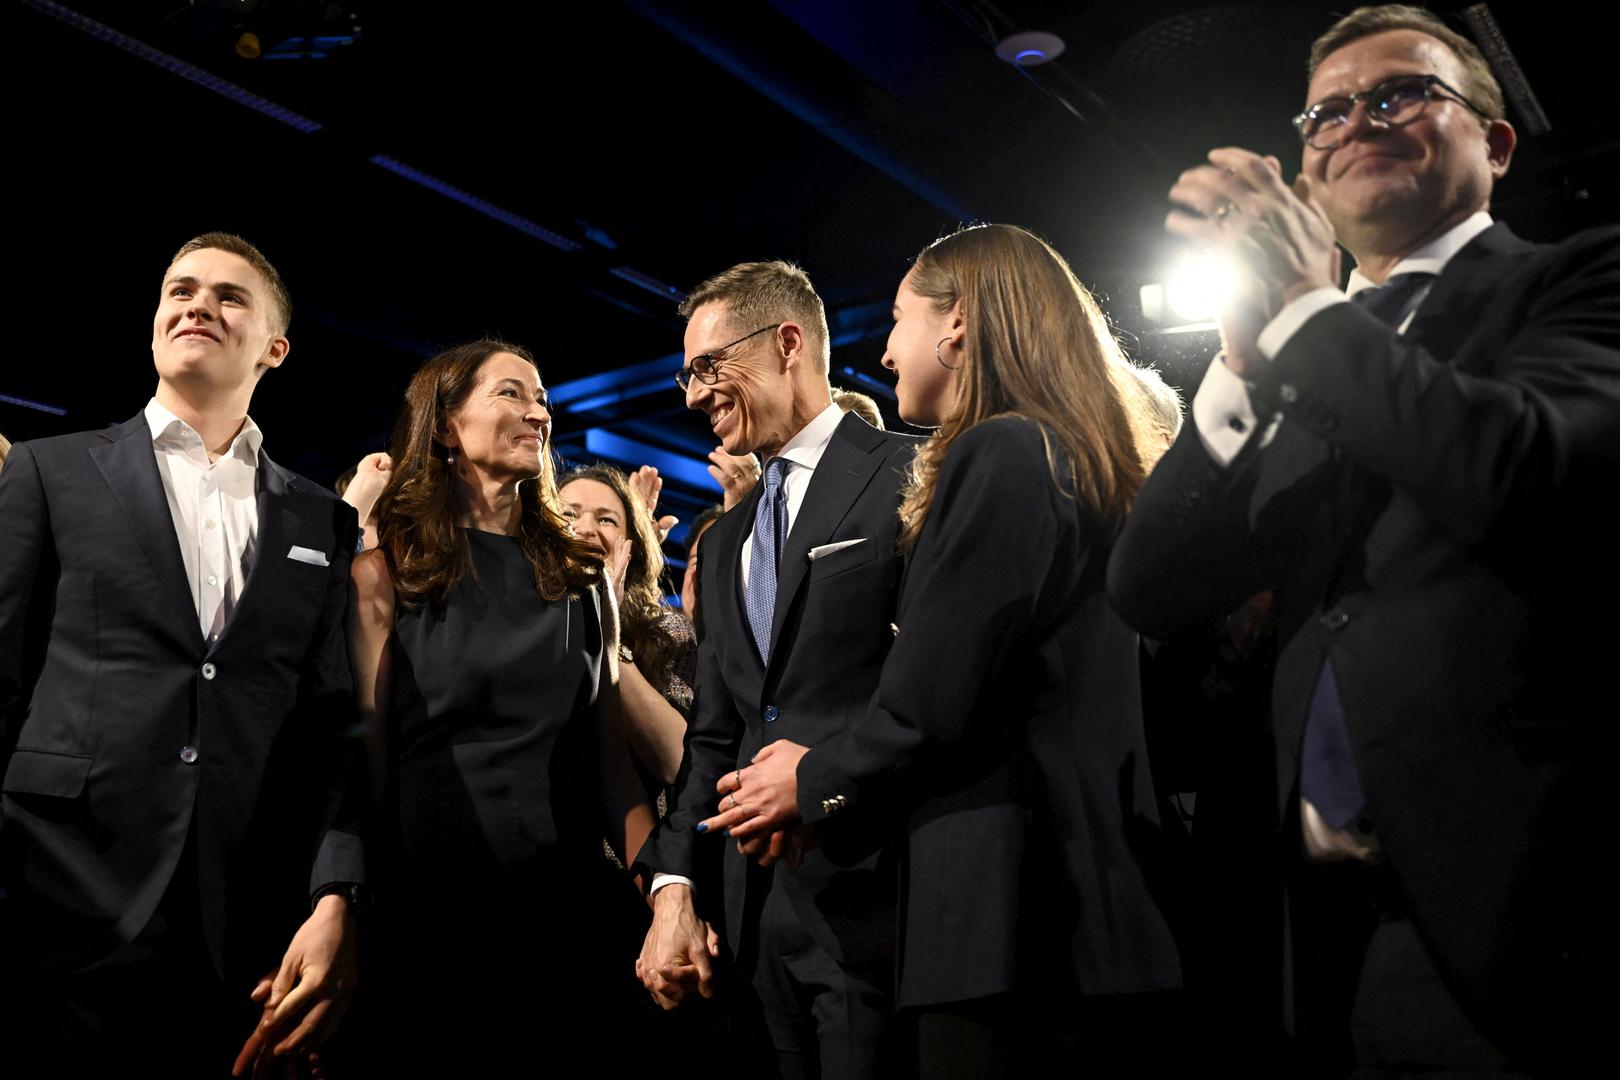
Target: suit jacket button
[188,754]
[771,713]
[209,671]
[1335,619]
[1288,393]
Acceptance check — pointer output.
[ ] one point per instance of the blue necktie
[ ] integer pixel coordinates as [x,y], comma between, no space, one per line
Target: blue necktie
[1327,771]
[765,557]
[1392,301]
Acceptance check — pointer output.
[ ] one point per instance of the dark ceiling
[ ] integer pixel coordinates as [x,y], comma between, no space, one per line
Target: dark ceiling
[555,174]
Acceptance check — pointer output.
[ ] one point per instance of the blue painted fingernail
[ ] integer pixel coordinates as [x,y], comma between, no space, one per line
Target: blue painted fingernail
[728,832]
[703,826]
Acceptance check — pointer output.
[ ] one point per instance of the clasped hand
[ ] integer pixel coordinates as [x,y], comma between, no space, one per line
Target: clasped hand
[305,998]
[1276,236]
[759,806]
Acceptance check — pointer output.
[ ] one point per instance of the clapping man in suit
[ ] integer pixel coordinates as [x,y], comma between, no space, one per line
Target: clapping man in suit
[798,585]
[1409,467]
[173,685]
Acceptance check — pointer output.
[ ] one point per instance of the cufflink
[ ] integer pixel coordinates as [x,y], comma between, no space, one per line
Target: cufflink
[894,628]
[836,802]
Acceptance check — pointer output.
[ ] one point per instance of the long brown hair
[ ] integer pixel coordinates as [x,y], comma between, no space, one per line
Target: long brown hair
[418,527]
[641,613]
[1036,346]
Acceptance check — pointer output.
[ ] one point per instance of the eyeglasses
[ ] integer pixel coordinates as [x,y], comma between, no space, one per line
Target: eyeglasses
[706,366]
[1392,103]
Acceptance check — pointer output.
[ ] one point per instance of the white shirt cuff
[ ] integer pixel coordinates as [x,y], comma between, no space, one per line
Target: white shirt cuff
[1222,412]
[660,880]
[1293,316]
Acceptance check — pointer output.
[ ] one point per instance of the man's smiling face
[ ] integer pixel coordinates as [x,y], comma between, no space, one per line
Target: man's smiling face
[216,322]
[750,403]
[1436,169]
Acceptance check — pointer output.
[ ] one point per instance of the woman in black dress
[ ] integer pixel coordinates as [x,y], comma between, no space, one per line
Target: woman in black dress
[483,642]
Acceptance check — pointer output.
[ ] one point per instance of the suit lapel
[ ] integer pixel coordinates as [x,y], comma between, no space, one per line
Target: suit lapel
[845,469]
[1464,289]
[279,505]
[725,614]
[129,465]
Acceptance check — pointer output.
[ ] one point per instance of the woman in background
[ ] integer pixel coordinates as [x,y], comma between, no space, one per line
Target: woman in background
[658,652]
[689,602]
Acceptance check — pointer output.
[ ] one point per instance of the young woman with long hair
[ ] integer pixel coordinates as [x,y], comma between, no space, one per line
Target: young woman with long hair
[1005,739]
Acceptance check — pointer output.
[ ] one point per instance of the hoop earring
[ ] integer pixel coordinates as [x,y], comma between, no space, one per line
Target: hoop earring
[941,359]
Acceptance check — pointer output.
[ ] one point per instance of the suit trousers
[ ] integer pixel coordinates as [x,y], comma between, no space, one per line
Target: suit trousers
[823,1019]
[1370,1002]
[156,1004]
[1053,1032]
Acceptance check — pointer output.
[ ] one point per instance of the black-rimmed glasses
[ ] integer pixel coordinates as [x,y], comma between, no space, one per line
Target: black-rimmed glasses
[706,366]
[1393,103]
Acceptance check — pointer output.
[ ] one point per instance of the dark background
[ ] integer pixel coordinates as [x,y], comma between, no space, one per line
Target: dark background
[558,173]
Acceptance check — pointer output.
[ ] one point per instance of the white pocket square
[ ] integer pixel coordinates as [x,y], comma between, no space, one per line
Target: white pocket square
[828,549]
[308,555]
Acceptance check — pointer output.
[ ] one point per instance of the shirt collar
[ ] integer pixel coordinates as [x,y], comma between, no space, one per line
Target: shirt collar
[810,443]
[1432,257]
[169,430]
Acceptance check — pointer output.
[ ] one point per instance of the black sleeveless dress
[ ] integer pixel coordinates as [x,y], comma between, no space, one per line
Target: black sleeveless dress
[502,921]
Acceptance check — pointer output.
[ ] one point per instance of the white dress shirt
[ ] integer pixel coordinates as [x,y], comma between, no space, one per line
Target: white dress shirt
[803,453]
[215,510]
[1221,409]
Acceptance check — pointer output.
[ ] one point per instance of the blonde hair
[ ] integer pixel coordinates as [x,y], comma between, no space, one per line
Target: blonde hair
[862,405]
[1478,81]
[280,298]
[1036,346]
[758,293]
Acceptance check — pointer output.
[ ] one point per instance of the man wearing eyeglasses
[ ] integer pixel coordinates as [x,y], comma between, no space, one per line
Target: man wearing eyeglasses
[798,585]
[1409,467]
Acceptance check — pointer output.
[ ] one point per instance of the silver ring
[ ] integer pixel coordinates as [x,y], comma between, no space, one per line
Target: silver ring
[733,798]
[1226,208]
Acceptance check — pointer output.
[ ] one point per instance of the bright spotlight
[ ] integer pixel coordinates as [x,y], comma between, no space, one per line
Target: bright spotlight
[1199,287]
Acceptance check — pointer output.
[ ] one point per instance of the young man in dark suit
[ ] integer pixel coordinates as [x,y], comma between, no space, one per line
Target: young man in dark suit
[173,686]
[1409,468]
[798,584]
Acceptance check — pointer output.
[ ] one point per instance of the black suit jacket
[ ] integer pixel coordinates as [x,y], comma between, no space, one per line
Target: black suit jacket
[830,634]
[105,677]
[1424,514]
[1006,734]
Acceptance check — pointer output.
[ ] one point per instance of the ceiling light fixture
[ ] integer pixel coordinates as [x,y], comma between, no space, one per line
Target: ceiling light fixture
[1030,48]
